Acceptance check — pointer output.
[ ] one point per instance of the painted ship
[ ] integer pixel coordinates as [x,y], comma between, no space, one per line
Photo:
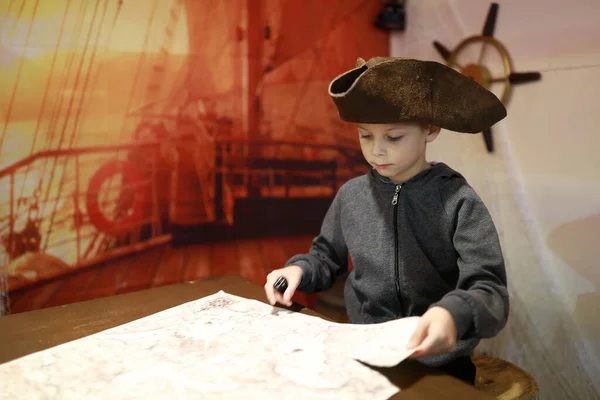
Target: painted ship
[234,139]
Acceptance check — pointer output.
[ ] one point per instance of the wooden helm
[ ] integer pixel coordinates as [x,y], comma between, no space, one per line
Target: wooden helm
[479,72]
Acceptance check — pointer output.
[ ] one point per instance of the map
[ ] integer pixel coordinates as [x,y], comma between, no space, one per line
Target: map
[219,347]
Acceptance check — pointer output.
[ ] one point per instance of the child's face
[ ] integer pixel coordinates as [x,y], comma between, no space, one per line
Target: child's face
[395,150]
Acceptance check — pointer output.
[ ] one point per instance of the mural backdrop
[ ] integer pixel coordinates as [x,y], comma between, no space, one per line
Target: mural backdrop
[147,142]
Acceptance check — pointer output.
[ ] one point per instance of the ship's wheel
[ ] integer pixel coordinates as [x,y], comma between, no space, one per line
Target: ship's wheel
[499,77]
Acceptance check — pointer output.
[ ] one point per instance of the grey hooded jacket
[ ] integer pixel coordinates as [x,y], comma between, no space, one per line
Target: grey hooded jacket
[428,242]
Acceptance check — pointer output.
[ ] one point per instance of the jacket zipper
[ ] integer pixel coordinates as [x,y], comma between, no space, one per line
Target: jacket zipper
[396,260]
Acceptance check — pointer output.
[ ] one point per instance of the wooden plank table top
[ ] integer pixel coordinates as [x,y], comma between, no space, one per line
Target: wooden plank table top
[25,333]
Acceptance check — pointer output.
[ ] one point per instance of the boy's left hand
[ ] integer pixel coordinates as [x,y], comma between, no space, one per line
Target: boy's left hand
[435,333]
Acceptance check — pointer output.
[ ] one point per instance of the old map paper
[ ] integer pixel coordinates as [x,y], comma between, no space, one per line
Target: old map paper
[218,347]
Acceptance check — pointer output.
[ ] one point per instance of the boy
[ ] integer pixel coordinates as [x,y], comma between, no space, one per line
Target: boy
[421,240]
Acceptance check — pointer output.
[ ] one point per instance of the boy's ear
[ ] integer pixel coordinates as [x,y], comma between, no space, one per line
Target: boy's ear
[432,132]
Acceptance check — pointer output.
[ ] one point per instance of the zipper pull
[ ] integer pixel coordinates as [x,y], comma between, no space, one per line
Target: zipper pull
[395,199]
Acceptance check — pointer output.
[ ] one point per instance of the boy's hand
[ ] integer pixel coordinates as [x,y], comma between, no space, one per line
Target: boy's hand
[435,333]
[293,274]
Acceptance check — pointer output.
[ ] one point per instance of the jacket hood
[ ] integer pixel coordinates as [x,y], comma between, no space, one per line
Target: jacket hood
[438,171]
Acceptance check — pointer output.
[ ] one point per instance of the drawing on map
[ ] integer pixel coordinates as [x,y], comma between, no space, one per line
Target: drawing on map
[220,346]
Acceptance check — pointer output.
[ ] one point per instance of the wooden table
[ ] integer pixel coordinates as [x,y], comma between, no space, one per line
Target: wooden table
[29,332]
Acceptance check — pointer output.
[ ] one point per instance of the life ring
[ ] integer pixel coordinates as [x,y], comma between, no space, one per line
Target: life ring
[134,180]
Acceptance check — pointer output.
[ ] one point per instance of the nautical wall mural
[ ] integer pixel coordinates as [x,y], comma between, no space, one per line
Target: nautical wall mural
[171,130]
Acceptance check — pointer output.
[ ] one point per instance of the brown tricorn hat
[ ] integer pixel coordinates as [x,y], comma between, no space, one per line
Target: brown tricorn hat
[388,90]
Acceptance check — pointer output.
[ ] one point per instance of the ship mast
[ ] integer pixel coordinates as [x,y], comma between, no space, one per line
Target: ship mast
[254,40]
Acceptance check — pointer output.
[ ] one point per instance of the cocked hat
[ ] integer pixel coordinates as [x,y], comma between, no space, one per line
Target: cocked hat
[388,90]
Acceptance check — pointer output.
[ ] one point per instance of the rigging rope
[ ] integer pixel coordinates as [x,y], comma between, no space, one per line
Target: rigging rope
[77,116]
[20,69]
[43,106]
[6,15]
[12,30]
[51,129]
[70,105]
[67,120]
[63,86]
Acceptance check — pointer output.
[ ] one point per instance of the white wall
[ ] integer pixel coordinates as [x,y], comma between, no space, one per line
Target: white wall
[542,185]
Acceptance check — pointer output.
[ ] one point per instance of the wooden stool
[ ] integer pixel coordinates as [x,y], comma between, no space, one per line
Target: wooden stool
[503,380]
